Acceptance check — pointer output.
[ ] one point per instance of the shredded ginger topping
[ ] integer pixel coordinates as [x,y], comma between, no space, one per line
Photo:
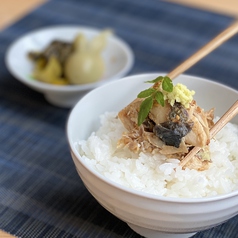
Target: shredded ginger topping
[180,94]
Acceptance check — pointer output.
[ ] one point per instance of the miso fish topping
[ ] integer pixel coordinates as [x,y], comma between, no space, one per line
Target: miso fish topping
[165,119]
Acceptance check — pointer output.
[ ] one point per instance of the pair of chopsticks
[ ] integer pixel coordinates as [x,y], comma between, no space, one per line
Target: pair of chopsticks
[205,50]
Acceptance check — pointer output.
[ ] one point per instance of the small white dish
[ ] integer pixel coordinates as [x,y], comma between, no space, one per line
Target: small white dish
[118,58]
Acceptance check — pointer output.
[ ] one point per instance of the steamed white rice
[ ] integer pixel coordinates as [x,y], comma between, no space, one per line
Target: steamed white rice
[156,174]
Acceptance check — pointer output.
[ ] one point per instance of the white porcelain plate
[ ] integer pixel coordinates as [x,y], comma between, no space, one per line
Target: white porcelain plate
[117,55]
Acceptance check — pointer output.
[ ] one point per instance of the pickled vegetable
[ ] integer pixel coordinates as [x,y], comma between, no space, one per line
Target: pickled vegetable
[50,73]
[78,62]
[86,64]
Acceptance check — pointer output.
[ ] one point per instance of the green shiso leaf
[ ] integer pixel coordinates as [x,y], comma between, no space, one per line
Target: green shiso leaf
[146,93]
[145,107]
[167,84]
[160,78]
[155,93]
[159,97]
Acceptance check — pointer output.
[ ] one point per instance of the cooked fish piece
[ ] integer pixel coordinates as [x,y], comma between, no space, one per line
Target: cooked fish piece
[169,130]
[203,121]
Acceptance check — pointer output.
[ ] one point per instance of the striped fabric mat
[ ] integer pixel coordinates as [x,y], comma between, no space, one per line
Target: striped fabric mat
[41,194]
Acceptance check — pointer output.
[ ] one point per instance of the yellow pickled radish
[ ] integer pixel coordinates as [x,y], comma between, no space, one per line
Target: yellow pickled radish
[51,73]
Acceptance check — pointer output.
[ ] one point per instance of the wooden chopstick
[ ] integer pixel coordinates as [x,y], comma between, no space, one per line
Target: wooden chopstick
[232,112]
[205,50]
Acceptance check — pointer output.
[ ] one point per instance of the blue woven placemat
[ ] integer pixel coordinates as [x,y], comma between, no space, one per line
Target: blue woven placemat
[41,194]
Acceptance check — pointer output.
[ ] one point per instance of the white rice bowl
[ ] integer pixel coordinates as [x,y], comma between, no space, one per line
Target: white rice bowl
[155,174]
[130,188]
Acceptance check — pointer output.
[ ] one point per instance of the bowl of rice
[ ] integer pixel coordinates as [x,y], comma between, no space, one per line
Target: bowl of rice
[153,195]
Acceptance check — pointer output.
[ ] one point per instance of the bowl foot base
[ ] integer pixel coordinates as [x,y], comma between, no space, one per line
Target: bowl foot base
[64,101]
[148,233]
